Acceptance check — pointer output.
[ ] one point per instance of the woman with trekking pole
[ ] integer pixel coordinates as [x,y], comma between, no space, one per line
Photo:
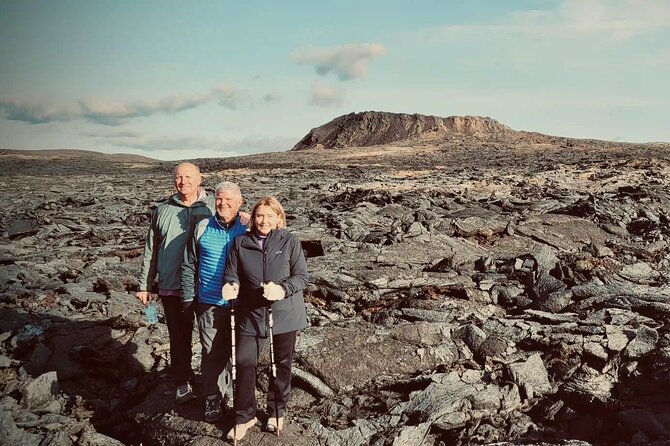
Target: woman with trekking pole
[268,268]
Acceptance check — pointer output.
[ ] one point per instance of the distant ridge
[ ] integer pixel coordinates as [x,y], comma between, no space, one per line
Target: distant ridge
[76,153]
[374,128]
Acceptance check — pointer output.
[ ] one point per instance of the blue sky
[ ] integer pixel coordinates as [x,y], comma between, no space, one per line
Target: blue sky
[176,80]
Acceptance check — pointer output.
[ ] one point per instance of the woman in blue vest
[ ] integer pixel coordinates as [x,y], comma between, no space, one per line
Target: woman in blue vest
[268,267]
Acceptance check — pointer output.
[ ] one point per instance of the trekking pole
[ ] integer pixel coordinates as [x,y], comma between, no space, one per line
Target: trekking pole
[273,366]
[233,363]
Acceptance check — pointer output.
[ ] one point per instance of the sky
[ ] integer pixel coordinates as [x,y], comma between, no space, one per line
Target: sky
[182,80]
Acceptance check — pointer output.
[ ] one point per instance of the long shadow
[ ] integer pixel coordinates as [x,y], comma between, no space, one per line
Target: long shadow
[106,369]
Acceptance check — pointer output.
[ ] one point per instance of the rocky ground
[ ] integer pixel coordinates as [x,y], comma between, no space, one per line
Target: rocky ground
[464,290]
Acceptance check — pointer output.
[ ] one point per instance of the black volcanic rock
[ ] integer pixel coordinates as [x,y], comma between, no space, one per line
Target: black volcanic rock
[375,128]
[465,288]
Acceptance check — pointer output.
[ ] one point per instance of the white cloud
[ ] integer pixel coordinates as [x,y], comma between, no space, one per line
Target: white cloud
[113,112]
[347,62]
[616,19]
[325,96]
[227,96]
[619,18]
[35,111]
[115,134]
[195,144]
[272,97]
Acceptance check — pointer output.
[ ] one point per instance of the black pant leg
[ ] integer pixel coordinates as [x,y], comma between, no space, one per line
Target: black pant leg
[284,348]
[248,349]
[180,328]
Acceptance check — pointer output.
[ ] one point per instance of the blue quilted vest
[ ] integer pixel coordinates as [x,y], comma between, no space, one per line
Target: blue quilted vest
[214,242]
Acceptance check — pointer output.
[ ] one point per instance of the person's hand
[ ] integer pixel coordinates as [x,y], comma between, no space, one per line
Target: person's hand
[273,291]
[230,291]
[145,297]
[245,218]
[186,306]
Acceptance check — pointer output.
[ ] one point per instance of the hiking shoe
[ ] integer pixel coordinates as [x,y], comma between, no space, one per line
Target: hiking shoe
[184,393]
[228,403]
[241,430]
[275,425]
[213,412]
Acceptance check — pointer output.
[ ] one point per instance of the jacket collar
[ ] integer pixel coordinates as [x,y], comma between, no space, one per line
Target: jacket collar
[251,238]
[227,226]
[176,199]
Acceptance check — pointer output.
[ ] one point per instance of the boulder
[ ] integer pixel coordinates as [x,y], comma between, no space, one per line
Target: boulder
[40,391]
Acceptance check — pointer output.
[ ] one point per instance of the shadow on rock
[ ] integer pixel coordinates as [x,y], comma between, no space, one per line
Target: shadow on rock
[83,376]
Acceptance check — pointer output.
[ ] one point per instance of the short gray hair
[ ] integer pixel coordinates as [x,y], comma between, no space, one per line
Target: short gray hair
[227,185]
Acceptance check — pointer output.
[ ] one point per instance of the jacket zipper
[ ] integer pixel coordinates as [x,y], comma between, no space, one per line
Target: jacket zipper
[267,312]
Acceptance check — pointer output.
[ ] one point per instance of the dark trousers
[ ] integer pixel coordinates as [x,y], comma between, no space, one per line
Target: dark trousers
[248,349]
[214,329]
[180,328]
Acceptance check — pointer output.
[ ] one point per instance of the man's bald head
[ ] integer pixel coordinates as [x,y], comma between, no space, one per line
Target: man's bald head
[187,180]
[187,166]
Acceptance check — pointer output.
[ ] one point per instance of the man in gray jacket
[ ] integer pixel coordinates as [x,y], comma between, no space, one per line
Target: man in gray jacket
[171,223]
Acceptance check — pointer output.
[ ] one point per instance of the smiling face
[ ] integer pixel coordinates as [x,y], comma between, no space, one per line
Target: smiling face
[265,219]
[228,202]
[187,180]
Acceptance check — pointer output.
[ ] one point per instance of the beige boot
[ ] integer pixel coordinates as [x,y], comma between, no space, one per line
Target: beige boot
[241,430]
[275,425]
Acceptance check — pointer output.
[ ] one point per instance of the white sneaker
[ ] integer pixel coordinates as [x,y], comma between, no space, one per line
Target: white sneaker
[241,430]
[274,424]
[184,393]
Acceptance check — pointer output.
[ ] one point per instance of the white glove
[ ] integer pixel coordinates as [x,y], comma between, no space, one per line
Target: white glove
[272,291]
[230,291]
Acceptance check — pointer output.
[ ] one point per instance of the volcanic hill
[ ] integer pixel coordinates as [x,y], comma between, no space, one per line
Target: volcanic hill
[375,128]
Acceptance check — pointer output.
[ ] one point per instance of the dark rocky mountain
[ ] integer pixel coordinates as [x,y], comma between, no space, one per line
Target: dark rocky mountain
[463,290]
[75,154]
[376,128]
[69,161]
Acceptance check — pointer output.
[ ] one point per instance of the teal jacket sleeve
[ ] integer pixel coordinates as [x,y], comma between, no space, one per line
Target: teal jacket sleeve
[150,257]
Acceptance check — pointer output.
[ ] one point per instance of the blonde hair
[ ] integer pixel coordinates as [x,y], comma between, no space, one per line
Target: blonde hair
[273,204]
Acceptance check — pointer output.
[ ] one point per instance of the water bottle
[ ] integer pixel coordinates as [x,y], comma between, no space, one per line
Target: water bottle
[150,313]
